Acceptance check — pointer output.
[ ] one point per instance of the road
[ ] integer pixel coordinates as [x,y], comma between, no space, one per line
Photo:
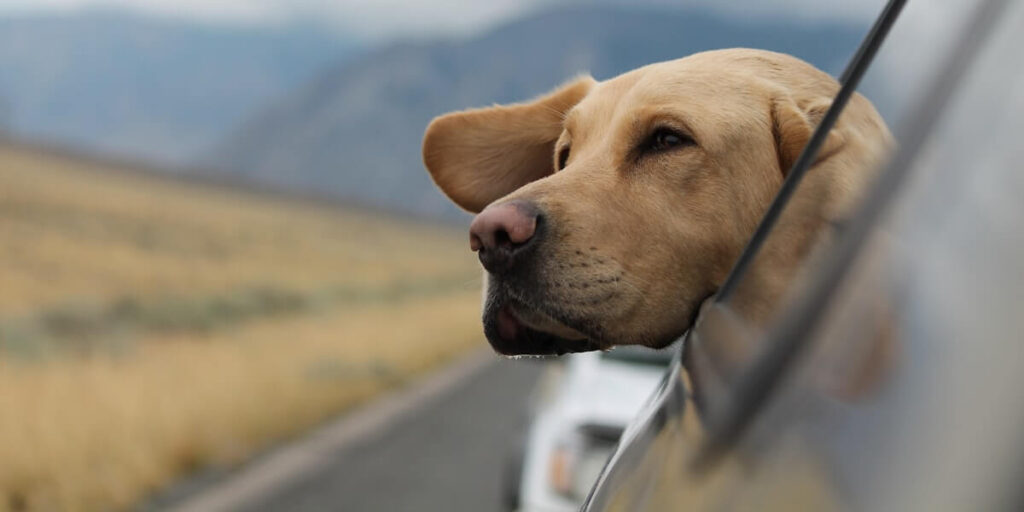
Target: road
[440,450]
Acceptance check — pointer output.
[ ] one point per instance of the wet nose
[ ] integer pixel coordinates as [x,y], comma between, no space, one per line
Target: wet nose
[501,234]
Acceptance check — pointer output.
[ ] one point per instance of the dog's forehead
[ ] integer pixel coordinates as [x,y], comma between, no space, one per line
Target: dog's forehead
[690,84]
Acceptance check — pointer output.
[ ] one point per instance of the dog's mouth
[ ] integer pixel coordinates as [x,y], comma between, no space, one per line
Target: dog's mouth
[512,328]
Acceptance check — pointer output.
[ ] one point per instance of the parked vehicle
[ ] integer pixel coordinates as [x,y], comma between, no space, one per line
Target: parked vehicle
[893,377]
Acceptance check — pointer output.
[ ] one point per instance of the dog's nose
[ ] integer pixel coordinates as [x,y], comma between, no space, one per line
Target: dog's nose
[501,233]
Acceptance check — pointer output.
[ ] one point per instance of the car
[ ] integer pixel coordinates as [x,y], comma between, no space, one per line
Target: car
[580,407]
[892,377]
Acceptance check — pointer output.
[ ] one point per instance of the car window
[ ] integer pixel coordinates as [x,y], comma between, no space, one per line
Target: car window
[894,80]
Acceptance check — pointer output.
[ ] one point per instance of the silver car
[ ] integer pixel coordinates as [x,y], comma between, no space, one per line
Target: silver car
[919,304]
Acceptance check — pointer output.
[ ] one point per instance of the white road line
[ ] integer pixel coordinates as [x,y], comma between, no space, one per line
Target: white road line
[312,453]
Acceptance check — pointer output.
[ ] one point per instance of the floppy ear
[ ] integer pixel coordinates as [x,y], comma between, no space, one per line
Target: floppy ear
[477,156]
[792,125]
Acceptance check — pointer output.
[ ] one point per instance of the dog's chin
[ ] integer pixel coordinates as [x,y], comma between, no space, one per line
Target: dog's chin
[514,330]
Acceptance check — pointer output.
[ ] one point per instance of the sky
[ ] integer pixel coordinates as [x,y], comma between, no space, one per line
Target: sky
[384,19]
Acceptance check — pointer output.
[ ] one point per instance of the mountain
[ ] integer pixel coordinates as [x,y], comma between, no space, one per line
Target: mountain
[113,81]
[355,131]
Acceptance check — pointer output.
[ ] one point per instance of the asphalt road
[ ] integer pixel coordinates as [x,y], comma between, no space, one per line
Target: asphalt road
[445,455]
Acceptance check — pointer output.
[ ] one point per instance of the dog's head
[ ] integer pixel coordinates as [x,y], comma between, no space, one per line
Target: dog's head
[607,211]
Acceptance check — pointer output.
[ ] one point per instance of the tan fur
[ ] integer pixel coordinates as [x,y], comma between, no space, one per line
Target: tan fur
[636,241]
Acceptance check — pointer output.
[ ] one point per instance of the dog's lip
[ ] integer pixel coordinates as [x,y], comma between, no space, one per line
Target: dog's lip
[508,324]
[539,320]
[510,336]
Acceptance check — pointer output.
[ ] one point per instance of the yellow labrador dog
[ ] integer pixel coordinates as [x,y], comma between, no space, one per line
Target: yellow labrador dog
[608,211]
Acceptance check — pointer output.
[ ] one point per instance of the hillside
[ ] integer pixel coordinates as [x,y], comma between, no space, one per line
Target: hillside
[355,130]
[162,90]
[150,327]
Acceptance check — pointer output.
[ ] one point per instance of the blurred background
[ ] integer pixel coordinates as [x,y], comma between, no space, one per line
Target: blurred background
[216,233]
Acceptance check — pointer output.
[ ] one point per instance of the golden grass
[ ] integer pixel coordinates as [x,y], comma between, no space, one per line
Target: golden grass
[71,229]
[377,301]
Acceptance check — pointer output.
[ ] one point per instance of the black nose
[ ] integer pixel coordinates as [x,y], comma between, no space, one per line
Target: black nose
[503,234]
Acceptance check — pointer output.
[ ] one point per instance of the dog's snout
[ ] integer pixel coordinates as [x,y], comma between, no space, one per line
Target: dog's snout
[502,232]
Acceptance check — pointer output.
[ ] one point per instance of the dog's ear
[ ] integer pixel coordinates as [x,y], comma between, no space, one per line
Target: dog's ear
[477,156]
[793,122]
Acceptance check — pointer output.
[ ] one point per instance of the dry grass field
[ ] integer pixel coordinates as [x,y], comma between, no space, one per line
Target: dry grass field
[149,327]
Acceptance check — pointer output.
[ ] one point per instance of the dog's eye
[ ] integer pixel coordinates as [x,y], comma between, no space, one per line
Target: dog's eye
[664,139]
[563,157]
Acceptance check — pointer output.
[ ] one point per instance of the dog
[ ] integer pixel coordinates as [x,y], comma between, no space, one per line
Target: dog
[608,212]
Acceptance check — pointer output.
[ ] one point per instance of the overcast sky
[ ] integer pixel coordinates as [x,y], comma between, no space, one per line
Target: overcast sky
[390,18]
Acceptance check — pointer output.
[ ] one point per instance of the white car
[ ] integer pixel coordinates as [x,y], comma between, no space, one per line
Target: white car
[580,408]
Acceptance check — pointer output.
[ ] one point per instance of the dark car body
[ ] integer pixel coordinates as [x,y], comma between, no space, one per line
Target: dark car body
[893,376]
